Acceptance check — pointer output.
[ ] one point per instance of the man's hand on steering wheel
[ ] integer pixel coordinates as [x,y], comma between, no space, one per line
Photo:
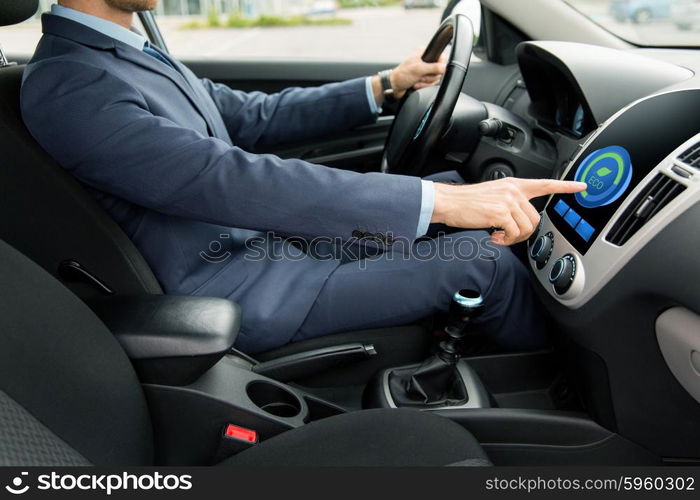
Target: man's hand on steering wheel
[425,110]
[413,73]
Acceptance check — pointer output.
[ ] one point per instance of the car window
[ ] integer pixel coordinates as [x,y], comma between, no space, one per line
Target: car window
[345,30]
[21,39]
[646,22]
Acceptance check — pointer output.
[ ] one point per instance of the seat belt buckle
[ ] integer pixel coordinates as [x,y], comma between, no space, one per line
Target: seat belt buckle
[234,440]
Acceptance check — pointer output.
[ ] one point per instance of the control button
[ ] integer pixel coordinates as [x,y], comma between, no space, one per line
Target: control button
[541,250]
[563,273]
[572,218]
[682,172]
[561,208]
[585,230]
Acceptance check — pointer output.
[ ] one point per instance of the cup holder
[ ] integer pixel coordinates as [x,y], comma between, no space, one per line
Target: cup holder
[274,399]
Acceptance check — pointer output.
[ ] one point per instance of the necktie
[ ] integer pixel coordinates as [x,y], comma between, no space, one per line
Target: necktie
[153,52]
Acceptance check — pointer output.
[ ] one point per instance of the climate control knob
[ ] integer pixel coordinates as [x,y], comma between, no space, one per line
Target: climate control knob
[541,250]
[563,273]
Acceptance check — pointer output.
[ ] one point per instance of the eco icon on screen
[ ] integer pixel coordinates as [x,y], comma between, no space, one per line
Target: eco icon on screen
[608,173]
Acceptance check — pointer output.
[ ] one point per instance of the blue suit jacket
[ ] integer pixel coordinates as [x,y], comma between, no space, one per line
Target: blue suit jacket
[171,158]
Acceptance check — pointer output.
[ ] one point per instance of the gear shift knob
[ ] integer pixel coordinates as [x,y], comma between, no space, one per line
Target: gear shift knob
[466,305]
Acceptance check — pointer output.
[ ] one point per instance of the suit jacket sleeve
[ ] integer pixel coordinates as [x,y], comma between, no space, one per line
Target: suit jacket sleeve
[99,128]
[256,120]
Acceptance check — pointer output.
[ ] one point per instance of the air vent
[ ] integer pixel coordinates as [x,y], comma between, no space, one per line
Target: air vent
[692,156]
[661,191]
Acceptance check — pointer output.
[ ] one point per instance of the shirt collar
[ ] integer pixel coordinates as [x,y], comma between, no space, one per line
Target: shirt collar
[105,27]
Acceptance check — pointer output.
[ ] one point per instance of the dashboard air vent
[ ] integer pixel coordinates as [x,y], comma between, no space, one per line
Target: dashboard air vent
[661,191]
[691,157]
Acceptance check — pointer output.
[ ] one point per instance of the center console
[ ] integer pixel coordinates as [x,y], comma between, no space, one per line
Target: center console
[209,402]
[197,387]
[641,168]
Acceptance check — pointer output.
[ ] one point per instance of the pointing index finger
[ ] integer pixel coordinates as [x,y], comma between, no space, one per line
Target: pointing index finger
[533,188]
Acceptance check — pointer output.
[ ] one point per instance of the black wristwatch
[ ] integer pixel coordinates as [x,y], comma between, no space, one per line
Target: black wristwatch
[387,87]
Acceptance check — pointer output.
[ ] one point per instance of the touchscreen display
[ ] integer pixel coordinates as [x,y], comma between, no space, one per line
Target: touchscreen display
[618,159]
[608,173]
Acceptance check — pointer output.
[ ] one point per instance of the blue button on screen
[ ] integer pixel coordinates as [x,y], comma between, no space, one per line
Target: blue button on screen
[561,208]
[585,230]
[572,218]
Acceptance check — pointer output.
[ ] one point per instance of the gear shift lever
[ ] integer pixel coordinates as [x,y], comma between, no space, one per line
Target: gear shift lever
[437,381]
[466,305]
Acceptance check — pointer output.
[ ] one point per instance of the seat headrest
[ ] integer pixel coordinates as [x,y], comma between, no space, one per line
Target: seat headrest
[16,11]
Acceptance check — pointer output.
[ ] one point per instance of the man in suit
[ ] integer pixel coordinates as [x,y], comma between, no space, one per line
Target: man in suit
[173,159]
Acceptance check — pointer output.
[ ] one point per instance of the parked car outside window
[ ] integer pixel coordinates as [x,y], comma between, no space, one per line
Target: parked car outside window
[651,23]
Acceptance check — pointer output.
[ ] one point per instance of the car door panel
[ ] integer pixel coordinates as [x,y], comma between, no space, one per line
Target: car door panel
[359,149]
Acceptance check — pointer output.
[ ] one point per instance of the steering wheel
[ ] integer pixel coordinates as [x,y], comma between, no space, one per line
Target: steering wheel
[424,114]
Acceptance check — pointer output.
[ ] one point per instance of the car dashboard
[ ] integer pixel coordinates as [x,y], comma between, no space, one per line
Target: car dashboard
[641,175]
[556,102]
[628,126]
[616,266]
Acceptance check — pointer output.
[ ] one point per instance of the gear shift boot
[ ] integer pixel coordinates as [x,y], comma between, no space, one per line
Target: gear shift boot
[433,384]
[437,382]
[389,389]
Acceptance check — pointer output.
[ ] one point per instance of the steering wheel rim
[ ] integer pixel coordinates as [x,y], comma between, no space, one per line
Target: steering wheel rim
[405,153]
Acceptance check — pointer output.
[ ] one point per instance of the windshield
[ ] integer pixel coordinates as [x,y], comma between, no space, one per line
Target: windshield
[646,22]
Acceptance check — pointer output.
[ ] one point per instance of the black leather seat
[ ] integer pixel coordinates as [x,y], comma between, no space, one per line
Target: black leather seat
[69,396]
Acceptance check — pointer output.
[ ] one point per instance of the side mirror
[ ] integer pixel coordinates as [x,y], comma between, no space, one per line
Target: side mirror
[468,8]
